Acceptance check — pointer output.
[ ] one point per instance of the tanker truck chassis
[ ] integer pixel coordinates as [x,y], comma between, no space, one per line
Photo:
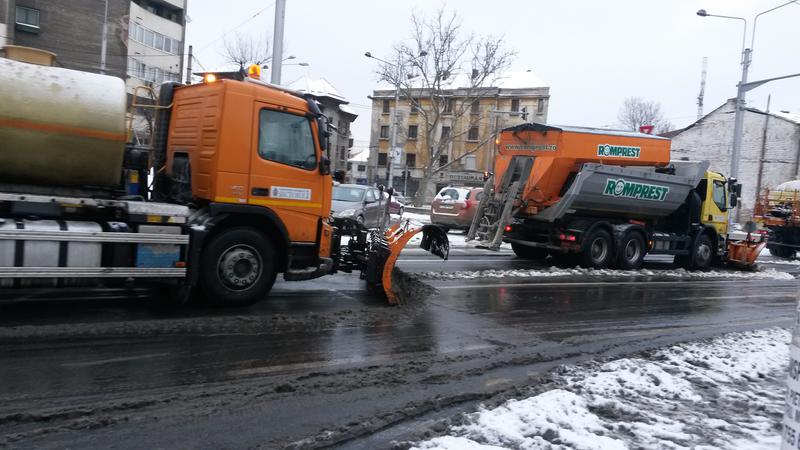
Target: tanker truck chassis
[233,188]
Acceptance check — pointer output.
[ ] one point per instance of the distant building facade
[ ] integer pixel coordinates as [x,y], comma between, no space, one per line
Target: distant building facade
[770,152]
[474,129]
[144,39]
[334,106]
[73,30]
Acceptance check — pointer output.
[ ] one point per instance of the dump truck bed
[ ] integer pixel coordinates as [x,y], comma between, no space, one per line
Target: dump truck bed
[640,192]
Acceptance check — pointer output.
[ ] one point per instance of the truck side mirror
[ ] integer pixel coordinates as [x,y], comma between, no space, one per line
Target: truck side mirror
[325,165]
[734,199]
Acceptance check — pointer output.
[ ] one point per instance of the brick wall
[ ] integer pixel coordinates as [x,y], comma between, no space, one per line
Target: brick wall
[73,31]
[711,139]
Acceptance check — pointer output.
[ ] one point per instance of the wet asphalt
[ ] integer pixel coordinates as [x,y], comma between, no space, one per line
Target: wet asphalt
[322,363]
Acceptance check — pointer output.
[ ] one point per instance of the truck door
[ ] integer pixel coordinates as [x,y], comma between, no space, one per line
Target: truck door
[284,172]
[715,206]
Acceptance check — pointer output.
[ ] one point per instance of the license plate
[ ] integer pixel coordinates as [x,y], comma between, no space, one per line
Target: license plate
[446,206]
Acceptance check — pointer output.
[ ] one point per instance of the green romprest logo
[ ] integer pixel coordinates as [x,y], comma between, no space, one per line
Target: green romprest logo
[630,189]
[619,151]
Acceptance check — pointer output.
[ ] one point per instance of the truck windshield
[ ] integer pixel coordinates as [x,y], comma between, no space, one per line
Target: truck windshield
[345,194]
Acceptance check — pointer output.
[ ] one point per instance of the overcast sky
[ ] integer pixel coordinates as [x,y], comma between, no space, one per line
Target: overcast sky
[592,54]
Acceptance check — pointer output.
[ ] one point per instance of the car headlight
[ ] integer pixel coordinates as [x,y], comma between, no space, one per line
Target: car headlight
[345,213]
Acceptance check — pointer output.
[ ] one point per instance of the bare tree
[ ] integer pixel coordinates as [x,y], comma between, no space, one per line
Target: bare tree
[442,71]
[243,50]
[636,112]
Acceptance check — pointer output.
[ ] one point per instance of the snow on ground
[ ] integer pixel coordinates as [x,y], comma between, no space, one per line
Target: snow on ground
[721,393]
[768,274]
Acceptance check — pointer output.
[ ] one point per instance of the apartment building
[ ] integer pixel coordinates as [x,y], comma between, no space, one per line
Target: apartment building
[471,129]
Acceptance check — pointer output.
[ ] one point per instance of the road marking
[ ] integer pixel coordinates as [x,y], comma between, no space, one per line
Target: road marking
[587,283]
[100,362]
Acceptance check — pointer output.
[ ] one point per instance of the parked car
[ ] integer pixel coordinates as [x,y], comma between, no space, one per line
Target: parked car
[454,207]
[360,203]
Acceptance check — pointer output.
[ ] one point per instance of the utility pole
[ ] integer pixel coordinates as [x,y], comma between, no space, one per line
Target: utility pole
[702,94]
[393,143]
[277,41]
[104,43]
[189,67]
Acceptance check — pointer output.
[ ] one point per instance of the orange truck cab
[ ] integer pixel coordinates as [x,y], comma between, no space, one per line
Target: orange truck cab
[257,152]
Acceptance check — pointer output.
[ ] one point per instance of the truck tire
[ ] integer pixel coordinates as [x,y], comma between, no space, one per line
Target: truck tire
[779,251]
[702,255]
[238,267]
[598,250]
[527,252]
[631,251]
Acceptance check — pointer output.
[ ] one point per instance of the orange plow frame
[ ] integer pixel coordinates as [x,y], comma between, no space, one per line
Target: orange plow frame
[397,236]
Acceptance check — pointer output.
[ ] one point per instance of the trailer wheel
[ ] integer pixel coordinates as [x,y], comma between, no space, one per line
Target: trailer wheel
[238,267]
[702,255]
[597,251]
[631,251]
[528,252]
[780,251]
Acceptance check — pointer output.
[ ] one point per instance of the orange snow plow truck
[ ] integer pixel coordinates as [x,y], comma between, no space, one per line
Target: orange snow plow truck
[241,189]
[605,199]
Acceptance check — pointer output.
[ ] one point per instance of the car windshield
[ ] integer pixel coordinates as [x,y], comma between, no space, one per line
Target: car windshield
[348,194]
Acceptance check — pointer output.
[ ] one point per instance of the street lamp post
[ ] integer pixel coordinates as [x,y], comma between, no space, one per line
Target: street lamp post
[394,118]
[738,121]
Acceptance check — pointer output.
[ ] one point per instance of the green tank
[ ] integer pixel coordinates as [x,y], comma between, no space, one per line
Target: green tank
[60,127]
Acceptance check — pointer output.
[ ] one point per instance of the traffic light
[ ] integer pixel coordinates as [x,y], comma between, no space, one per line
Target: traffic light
[524,112]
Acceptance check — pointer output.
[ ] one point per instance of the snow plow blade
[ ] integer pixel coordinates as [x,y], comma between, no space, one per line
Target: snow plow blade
[384,255]
[744,253]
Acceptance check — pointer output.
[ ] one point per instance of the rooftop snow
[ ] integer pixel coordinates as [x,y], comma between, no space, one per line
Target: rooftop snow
[318,88]
[511,80]
[790,116]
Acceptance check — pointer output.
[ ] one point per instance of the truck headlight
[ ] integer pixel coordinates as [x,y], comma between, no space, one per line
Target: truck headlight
[345,213]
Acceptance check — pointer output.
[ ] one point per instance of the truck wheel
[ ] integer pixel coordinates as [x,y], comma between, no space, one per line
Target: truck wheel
[597,251]
[702,254]
[780,251]
[527,252]
[631,251]
[238,267]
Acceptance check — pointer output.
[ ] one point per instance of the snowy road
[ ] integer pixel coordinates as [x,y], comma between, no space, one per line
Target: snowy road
[322,363]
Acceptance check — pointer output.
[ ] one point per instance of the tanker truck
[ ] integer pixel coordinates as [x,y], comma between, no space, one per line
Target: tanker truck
[240,191]
[605,199]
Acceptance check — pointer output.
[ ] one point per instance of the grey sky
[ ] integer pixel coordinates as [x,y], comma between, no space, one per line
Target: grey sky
[593,54]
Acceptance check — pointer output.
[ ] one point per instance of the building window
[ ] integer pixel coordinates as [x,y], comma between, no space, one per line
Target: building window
[152,39]
[384,132]
[381,159]
[286,139]
[386,106]
[445,133]
[349,167]
[144,72]
[540,106]
[411,160]
[412,132]
[469,162]
[448,106]
[442,160]
[473,134]
[362,168]
[28,17]
[414,106]
[476,107]
[515,105]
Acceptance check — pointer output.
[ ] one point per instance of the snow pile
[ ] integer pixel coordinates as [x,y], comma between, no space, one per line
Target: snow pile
[723,393]
[769,274]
